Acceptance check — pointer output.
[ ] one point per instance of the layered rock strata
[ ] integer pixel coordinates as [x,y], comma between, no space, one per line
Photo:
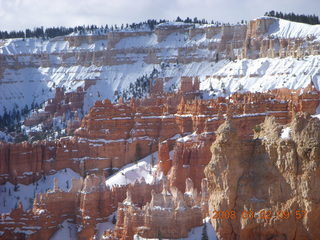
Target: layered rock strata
[112,135]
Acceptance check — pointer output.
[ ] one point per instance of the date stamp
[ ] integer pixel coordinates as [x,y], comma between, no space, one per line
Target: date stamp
[263,214]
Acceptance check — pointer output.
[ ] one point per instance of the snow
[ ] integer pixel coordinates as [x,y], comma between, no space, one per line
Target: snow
[133,172]
[287,29]
[263,74]
[67,231]
[26,193]
[194,234]
[286,133]
[253,75]
[136,42]
[102,227]
[188,137]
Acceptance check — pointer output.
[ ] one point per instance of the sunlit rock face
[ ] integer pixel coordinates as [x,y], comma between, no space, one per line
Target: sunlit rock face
[274,173]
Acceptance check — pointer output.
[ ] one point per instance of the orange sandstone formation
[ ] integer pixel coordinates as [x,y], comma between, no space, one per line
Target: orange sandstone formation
[270,181]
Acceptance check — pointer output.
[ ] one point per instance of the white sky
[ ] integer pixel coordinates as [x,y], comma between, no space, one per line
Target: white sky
[21,14]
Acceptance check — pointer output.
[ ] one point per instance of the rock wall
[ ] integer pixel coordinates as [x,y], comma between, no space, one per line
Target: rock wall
[237,41]
[112,135]
[269,181]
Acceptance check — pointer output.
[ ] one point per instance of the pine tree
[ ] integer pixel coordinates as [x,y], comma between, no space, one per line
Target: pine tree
[16,188]
[110,170]
[138,152]
[114,220]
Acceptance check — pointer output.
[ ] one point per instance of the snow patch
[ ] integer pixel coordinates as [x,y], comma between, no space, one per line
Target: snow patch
[67,231]
[286,133]
[102,227]
[145,168]
[188,137]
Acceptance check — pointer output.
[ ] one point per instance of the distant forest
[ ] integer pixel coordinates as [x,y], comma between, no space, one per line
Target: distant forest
[310,19]
[51,32]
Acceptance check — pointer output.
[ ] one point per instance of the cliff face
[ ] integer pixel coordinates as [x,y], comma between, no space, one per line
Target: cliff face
[112,135]
[231,41]
[94,61]
[272,177]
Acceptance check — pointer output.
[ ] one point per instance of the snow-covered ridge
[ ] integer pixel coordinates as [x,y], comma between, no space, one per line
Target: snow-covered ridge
[286,29]
[34,67]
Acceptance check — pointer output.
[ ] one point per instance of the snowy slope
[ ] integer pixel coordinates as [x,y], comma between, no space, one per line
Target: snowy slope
[29,83]
[254,75]
[9,198]
[132,172]
[262,74]
[287,29]
[67,231]
[102,227]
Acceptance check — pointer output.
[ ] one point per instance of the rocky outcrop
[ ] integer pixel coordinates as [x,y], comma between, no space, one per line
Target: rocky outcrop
[112,135]
[270,182]
[65,110]
[191,155]
[169,214]
[88,203]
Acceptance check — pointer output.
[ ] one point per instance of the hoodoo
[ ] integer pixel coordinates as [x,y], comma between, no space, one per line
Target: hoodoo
[166,130]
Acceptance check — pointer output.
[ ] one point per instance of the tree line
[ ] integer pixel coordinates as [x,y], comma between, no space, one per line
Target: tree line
[51,32]
[310,19]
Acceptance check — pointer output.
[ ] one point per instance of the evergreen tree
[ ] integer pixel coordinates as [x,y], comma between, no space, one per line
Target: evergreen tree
[309,19]
[178,19]
[110,170]
[114,220]
[138,152]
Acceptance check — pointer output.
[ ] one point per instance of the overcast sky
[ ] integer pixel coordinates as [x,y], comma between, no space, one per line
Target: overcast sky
[21,14]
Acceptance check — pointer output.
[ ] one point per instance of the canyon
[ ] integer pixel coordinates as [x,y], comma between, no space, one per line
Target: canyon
[228,123]
[270,173]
